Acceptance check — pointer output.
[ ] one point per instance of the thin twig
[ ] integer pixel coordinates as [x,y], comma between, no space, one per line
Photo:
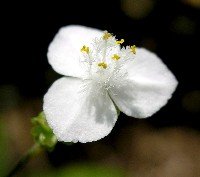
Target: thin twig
[34,150]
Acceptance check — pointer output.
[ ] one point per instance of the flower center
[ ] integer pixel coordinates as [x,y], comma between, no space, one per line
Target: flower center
[105,62]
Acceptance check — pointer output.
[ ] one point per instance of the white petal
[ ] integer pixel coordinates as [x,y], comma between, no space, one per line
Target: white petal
[76,115]
[64,53]
[148,86]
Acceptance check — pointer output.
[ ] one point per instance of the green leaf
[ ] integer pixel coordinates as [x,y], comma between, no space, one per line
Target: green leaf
[42,133]
[82,170]
[90,170]
[4,150]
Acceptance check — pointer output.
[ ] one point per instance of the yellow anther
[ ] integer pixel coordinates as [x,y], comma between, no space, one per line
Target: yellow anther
[120,41]
[115,57]
[103,65]
[85,49]
[133,49]
[106,35]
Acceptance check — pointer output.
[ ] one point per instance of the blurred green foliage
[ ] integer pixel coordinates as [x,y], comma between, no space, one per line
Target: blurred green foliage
[9,97]
[42,133]
[3,150]
[82,170]
[137,9]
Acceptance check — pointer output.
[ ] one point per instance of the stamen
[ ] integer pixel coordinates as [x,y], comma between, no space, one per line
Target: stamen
[107,35]
[133,49]
[85,49]
[105,48]
[120,41]
[103,65]
[115,57]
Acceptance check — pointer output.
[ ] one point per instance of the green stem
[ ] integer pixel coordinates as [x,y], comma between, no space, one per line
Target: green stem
[34,150]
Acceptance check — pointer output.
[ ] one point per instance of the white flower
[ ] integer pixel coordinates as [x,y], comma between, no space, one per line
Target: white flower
[81,107]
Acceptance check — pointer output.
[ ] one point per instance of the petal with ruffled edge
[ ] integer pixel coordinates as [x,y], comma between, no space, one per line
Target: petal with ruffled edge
[76,115]
[147,87]
[64,51]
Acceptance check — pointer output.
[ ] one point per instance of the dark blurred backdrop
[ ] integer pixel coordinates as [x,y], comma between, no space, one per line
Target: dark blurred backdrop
[168,28]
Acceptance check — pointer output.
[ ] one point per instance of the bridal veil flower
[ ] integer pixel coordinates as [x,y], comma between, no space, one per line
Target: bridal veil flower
[100,77]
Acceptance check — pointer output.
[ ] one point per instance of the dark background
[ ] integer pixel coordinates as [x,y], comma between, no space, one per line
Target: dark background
[169,28]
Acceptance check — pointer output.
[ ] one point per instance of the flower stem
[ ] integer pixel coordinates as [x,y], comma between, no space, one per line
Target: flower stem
[34,150]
